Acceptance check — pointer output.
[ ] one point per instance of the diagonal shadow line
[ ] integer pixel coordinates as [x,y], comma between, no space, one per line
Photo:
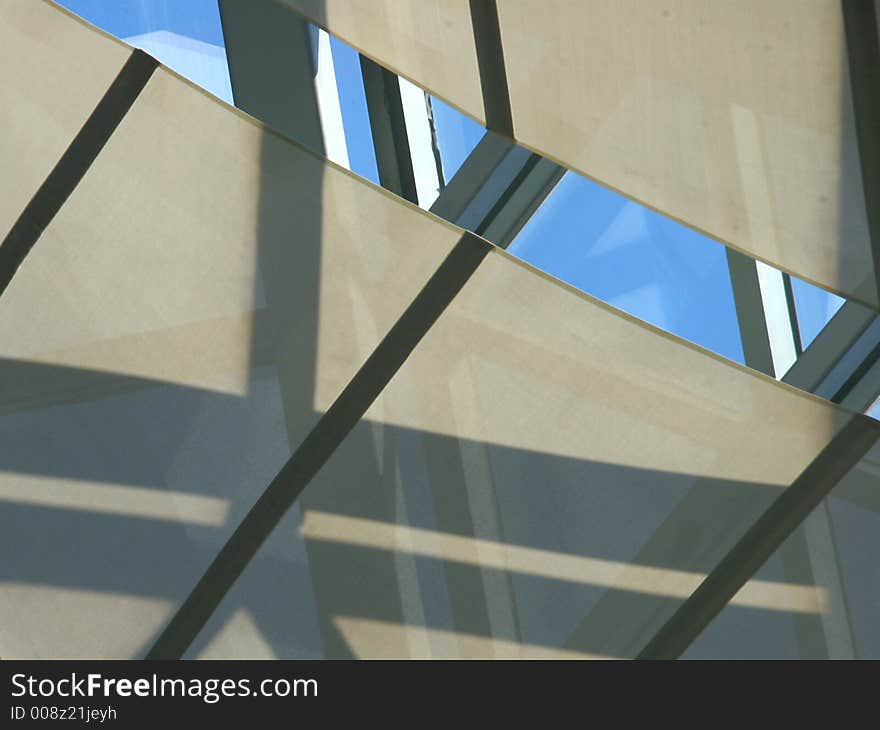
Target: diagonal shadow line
[91,384]
[729,496]
[490,61]
[285,624]
[95,384]
[863,52]
[388,128]
[550,465]
[143,573]
[611,619]
[317,447]
[74,163]
[27,385]
[763,539]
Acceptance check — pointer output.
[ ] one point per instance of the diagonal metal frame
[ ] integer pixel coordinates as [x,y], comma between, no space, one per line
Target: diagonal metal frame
[388,130]
[738,566]
[74,163]
[497,188]
[475,182]
[763,538]
[493,71]
[330,431]
[862,29]
[842,364]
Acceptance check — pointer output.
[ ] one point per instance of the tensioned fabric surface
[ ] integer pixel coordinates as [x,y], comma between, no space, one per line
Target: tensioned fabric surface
[733,117]
[835,551]
[429,42]
[46,81]
[544,476]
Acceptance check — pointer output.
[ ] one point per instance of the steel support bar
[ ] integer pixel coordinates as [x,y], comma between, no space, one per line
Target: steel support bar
[388,128]
[863,50]
[332,428]
[522,198]
[471,177]
[74,163]
[493,72]
[837,353]
[768,533]
[750,312]
[270,57]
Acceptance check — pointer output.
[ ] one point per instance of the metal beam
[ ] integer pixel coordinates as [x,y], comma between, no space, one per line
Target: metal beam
[331,429]
[471,177]
[750,312]
[497,189]
[490,60]
[765,536]
[520,200]
[270,57]
[837,353]
[388,128]
[860,19]
[74,163]
[792,315]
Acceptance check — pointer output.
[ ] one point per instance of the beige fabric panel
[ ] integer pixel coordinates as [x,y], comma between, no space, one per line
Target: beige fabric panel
[430,42]
[160,350]
[734,117]
[828,609]
[543,477]
[53,72]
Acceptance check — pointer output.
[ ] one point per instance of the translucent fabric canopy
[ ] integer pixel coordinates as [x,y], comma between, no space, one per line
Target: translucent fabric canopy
[828,608]
[544,476]
[430,42]
[162,346]
[734,118]
[48,88]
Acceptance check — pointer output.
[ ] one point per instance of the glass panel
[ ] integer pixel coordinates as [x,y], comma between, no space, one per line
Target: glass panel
[186,36]
[543,476]
[355,118]
[636,260]
[53,72]
[734,117]
[205,291]
[815,307]
[457,135]
[831,591]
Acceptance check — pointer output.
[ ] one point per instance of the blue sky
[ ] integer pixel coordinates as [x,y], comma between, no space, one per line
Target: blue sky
[636,260]
[457,135]
[584,234]
[353,103]
[185,35]
[196,19]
